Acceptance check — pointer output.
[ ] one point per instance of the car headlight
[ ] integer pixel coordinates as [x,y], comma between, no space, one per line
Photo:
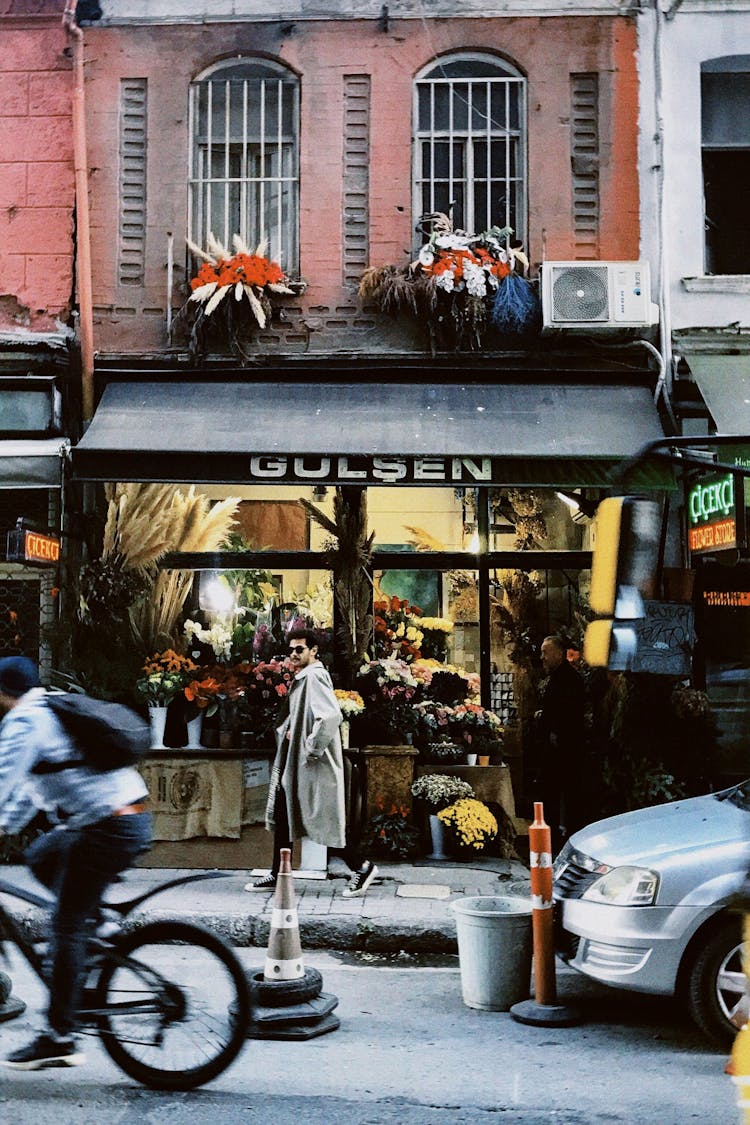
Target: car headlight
[625,886]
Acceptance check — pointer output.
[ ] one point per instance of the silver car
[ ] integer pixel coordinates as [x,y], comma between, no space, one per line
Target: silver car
[643,903]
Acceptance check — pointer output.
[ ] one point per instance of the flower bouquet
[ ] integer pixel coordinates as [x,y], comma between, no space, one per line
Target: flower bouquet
[458,285]
[475,726]
[203,694]
[388,690]
[165,675]
[439,790]
[396,629]
[470,825]
[350,703]
[262,688]
[232,295]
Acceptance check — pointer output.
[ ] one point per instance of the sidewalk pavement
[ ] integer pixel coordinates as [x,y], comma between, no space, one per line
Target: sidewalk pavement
[407,907]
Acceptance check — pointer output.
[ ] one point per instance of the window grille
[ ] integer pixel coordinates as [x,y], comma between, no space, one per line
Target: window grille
[470,143]
[244,158]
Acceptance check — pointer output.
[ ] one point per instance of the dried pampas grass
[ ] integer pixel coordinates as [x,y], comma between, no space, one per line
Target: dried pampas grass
[145,522]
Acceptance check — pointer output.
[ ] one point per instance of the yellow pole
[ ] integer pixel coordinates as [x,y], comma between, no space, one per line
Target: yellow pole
[740,1062]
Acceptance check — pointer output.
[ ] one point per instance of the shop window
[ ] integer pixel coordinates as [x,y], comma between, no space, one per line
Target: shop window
[244,158]
[470,138]
[725,103]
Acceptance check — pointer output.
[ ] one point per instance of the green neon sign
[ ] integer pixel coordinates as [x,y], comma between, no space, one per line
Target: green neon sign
[711,499]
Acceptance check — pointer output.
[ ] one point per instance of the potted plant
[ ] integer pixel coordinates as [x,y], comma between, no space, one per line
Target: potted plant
[351,704]
[202,693]
[389,834]
[469,826]
[439,791]
[476,728]
[164,678]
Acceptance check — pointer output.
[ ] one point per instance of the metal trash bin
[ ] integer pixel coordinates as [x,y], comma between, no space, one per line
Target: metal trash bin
[494,950]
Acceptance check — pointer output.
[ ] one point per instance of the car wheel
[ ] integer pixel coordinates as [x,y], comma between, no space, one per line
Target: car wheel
[717,986]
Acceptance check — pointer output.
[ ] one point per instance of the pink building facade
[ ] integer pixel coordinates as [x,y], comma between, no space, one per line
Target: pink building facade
[36,168]
[39,395]
[355,85]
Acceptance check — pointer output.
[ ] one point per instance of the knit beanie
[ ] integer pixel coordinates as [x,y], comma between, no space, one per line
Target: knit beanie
[18,675]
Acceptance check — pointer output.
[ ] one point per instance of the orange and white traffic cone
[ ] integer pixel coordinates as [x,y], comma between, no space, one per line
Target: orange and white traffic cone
[284,956]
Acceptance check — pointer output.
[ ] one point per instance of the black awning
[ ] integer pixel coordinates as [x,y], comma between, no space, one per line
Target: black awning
[367,433]
[29,463]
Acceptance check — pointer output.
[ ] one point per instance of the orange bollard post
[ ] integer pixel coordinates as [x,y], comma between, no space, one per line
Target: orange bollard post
[543,1010]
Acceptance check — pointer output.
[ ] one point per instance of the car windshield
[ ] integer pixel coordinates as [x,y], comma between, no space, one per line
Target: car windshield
[739,795]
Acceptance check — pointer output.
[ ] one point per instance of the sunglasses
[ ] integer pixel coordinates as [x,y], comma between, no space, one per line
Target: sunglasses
[298,648]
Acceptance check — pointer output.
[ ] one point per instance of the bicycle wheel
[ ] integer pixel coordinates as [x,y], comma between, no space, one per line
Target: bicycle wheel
[175,1005]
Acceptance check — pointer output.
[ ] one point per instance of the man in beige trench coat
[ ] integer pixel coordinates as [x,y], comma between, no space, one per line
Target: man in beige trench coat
[306,795]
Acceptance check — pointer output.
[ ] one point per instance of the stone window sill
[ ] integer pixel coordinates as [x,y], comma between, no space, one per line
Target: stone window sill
[718,283]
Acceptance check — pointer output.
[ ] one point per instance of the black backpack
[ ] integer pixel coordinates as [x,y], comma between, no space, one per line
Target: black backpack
[107,735]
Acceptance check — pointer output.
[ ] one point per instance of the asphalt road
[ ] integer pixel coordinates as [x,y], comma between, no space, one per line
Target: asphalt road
[409,1050]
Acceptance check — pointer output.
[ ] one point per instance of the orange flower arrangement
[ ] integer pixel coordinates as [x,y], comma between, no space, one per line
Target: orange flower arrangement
[246,273]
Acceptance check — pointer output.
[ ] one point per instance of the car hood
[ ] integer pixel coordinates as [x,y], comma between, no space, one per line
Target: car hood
[664,832]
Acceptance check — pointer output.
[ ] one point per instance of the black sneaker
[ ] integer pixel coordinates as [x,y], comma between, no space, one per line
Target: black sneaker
[45,1051]
[265,883]
[360,880]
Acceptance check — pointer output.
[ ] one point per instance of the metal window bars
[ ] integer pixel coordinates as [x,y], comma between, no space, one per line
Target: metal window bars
[470,149]
[244,162]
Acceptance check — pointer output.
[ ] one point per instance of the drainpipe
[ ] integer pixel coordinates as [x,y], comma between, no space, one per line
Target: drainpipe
[83,227]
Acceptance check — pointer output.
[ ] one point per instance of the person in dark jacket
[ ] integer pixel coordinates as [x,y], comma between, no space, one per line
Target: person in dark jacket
[560,733]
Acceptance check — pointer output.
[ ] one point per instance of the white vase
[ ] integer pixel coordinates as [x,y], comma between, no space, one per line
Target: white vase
[437,835]
[344,732]
[157,717]
[194,732]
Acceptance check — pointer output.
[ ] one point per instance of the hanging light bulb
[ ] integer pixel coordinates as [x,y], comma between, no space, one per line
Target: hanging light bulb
[216,596]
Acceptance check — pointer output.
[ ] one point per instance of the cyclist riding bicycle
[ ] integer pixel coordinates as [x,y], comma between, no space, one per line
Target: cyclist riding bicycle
[103,825]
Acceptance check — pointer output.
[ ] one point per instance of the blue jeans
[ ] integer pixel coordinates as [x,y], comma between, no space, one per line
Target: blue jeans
[78,865]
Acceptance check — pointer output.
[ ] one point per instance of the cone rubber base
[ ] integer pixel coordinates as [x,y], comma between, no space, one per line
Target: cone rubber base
[545,1015]
[307,1012]
[294,1030]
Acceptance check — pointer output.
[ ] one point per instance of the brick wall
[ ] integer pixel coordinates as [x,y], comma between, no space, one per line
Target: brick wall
[326,54]
[36,169]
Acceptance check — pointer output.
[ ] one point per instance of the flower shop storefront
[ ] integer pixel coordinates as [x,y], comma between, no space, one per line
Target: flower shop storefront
[433,533]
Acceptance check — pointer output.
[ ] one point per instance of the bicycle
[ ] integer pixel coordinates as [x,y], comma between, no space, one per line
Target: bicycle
[169,1001]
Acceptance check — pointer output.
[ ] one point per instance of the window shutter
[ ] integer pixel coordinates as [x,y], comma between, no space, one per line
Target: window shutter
[132,181]
[584,142]
[356,218]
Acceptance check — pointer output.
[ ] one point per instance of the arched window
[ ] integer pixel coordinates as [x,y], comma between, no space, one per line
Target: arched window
[470,142]
[244,157]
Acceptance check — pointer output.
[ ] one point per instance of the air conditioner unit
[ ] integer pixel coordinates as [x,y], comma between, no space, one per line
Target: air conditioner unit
[593,295]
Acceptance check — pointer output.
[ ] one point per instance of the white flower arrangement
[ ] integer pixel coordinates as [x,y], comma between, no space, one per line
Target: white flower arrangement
[389,670]
[440,789]
[219,637]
